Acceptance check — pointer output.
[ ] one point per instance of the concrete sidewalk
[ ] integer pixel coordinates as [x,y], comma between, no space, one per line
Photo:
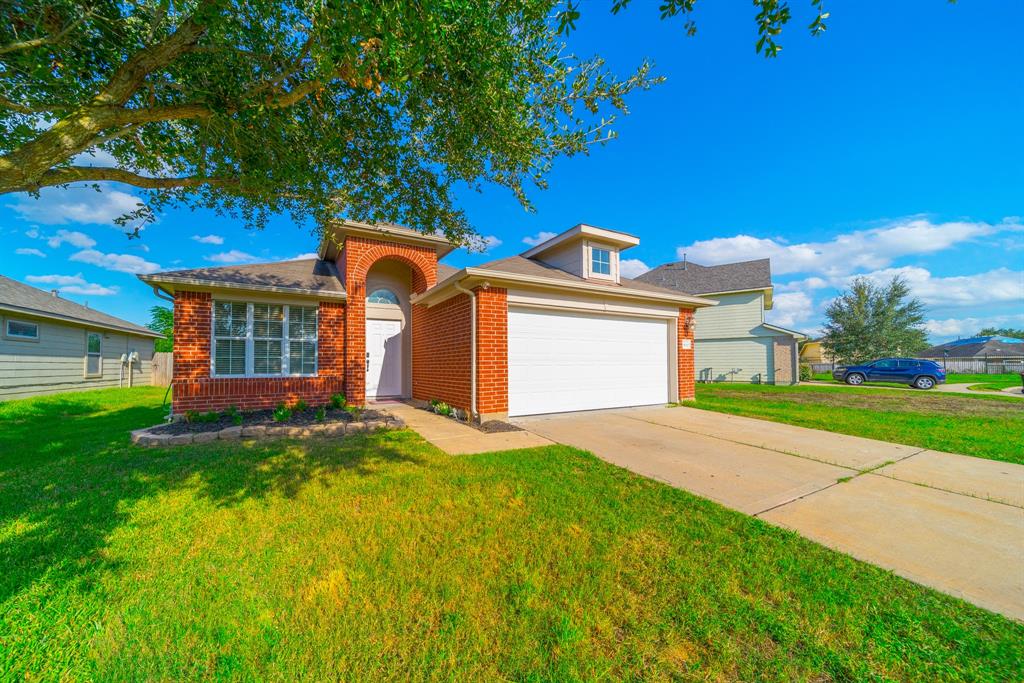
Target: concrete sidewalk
[959,388]
[456,438]
[948,521]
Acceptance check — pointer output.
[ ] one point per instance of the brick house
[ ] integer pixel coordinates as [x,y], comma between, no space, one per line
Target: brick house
[376,316]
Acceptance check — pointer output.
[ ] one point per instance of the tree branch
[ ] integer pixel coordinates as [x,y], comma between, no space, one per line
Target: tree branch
[75,174]
[44,40]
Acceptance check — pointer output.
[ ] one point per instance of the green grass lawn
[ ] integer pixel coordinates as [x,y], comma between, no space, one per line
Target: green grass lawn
[983,426]
[379,557]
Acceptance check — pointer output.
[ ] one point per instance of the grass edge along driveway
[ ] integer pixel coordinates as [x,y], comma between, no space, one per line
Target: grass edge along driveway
[380,557]
[982,426]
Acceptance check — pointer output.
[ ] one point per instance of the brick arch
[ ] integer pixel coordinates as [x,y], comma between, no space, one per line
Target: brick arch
[357,257]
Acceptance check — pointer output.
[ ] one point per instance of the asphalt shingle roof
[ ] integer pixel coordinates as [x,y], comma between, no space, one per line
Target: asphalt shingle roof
[693,278]
[977,347]
[520,265]
[306,274]
[18,296]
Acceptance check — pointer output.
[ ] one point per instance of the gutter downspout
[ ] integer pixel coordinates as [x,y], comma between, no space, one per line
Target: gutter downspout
[160,294]
[472,344]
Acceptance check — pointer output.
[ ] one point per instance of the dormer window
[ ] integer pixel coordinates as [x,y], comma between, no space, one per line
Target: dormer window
[600,261]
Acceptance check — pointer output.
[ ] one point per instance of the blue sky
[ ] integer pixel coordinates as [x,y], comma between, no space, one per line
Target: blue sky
[892,144]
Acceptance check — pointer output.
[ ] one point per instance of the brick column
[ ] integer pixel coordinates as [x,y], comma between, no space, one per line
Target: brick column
[492,352]
[331,340]
[192,318]
[685,355]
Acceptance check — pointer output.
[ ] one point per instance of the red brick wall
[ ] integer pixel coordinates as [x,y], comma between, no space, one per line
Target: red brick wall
[685,356]
[357,256]
[440,352]
[492,350]
[195,389]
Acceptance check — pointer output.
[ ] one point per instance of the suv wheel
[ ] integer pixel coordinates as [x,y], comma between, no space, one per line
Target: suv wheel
[855,378]
[924,382]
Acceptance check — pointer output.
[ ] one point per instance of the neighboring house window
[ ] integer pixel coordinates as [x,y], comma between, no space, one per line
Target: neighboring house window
[19,329]
[264,339]
[382,296]
[600,261]
[93,354]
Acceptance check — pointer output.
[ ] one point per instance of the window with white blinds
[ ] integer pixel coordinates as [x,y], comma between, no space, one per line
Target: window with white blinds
[261,340]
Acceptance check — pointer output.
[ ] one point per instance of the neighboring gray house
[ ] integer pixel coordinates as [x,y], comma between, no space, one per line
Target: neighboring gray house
[49,344]
[732,342]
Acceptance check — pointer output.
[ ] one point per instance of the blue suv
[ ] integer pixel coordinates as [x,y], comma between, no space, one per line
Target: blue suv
[923,374]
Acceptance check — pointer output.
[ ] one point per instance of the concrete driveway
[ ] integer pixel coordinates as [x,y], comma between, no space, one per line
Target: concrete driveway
[952,522]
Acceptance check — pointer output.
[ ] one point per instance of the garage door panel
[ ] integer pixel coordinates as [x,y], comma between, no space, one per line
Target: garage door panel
[570,361]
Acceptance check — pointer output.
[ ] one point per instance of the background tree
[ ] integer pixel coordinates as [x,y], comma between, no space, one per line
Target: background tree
[1001,332]
[870,321]
[161,319]
[371,109]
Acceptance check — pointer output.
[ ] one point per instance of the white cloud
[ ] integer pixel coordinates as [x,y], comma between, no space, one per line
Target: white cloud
[90,290]
[872,249]
[33,233]
[56,279]
[539,238]
[29,252]
[1001,285]
[482,243]
[75,205]
[73,284]
[233,256]
[632,267]
[96,157]
[968,327]
[208,239]
[790,309]
[72,237]
[304,257]
[122,263]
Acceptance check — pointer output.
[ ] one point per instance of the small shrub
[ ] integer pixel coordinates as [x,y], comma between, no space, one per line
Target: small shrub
[354,411]
[282,413]
[211,416]
[338,401]
[441,408]
[237,419]
[805,372]
[321,414]
[192,416]
[300,406]
[231,411]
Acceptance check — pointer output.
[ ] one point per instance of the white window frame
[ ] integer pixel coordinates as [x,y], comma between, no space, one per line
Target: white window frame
[249,339]
[98,354]
[18,337]
[613,264]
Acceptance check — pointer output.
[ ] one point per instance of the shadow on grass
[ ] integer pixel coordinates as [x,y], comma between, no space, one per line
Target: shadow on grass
[69,476]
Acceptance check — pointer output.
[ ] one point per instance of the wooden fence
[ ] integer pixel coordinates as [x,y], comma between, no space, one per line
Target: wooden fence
[163,368]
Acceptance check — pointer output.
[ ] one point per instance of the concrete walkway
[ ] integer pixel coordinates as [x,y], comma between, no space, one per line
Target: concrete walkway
[456,438]
[952,522]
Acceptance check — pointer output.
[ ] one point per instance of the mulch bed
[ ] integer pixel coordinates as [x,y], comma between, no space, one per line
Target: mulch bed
[264,417]
[489,427]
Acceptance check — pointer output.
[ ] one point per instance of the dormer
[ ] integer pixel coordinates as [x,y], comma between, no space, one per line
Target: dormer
[588,252]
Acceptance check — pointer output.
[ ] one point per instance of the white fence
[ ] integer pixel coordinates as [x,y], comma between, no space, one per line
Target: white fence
[973,366]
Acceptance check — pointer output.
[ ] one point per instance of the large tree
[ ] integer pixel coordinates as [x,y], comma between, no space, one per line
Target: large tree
[870,321]
[371,108]
[161,319]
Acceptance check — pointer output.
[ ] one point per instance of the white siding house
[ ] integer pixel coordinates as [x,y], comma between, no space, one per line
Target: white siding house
[49,345]
[732,341]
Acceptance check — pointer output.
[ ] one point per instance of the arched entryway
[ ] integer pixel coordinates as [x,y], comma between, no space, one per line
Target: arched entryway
[379,332]
[388,330]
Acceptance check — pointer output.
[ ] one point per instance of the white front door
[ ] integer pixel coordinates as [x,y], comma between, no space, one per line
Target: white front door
[383,358]
[560,361]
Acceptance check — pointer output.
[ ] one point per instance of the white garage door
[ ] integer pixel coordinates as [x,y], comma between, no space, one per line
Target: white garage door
[559,361]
